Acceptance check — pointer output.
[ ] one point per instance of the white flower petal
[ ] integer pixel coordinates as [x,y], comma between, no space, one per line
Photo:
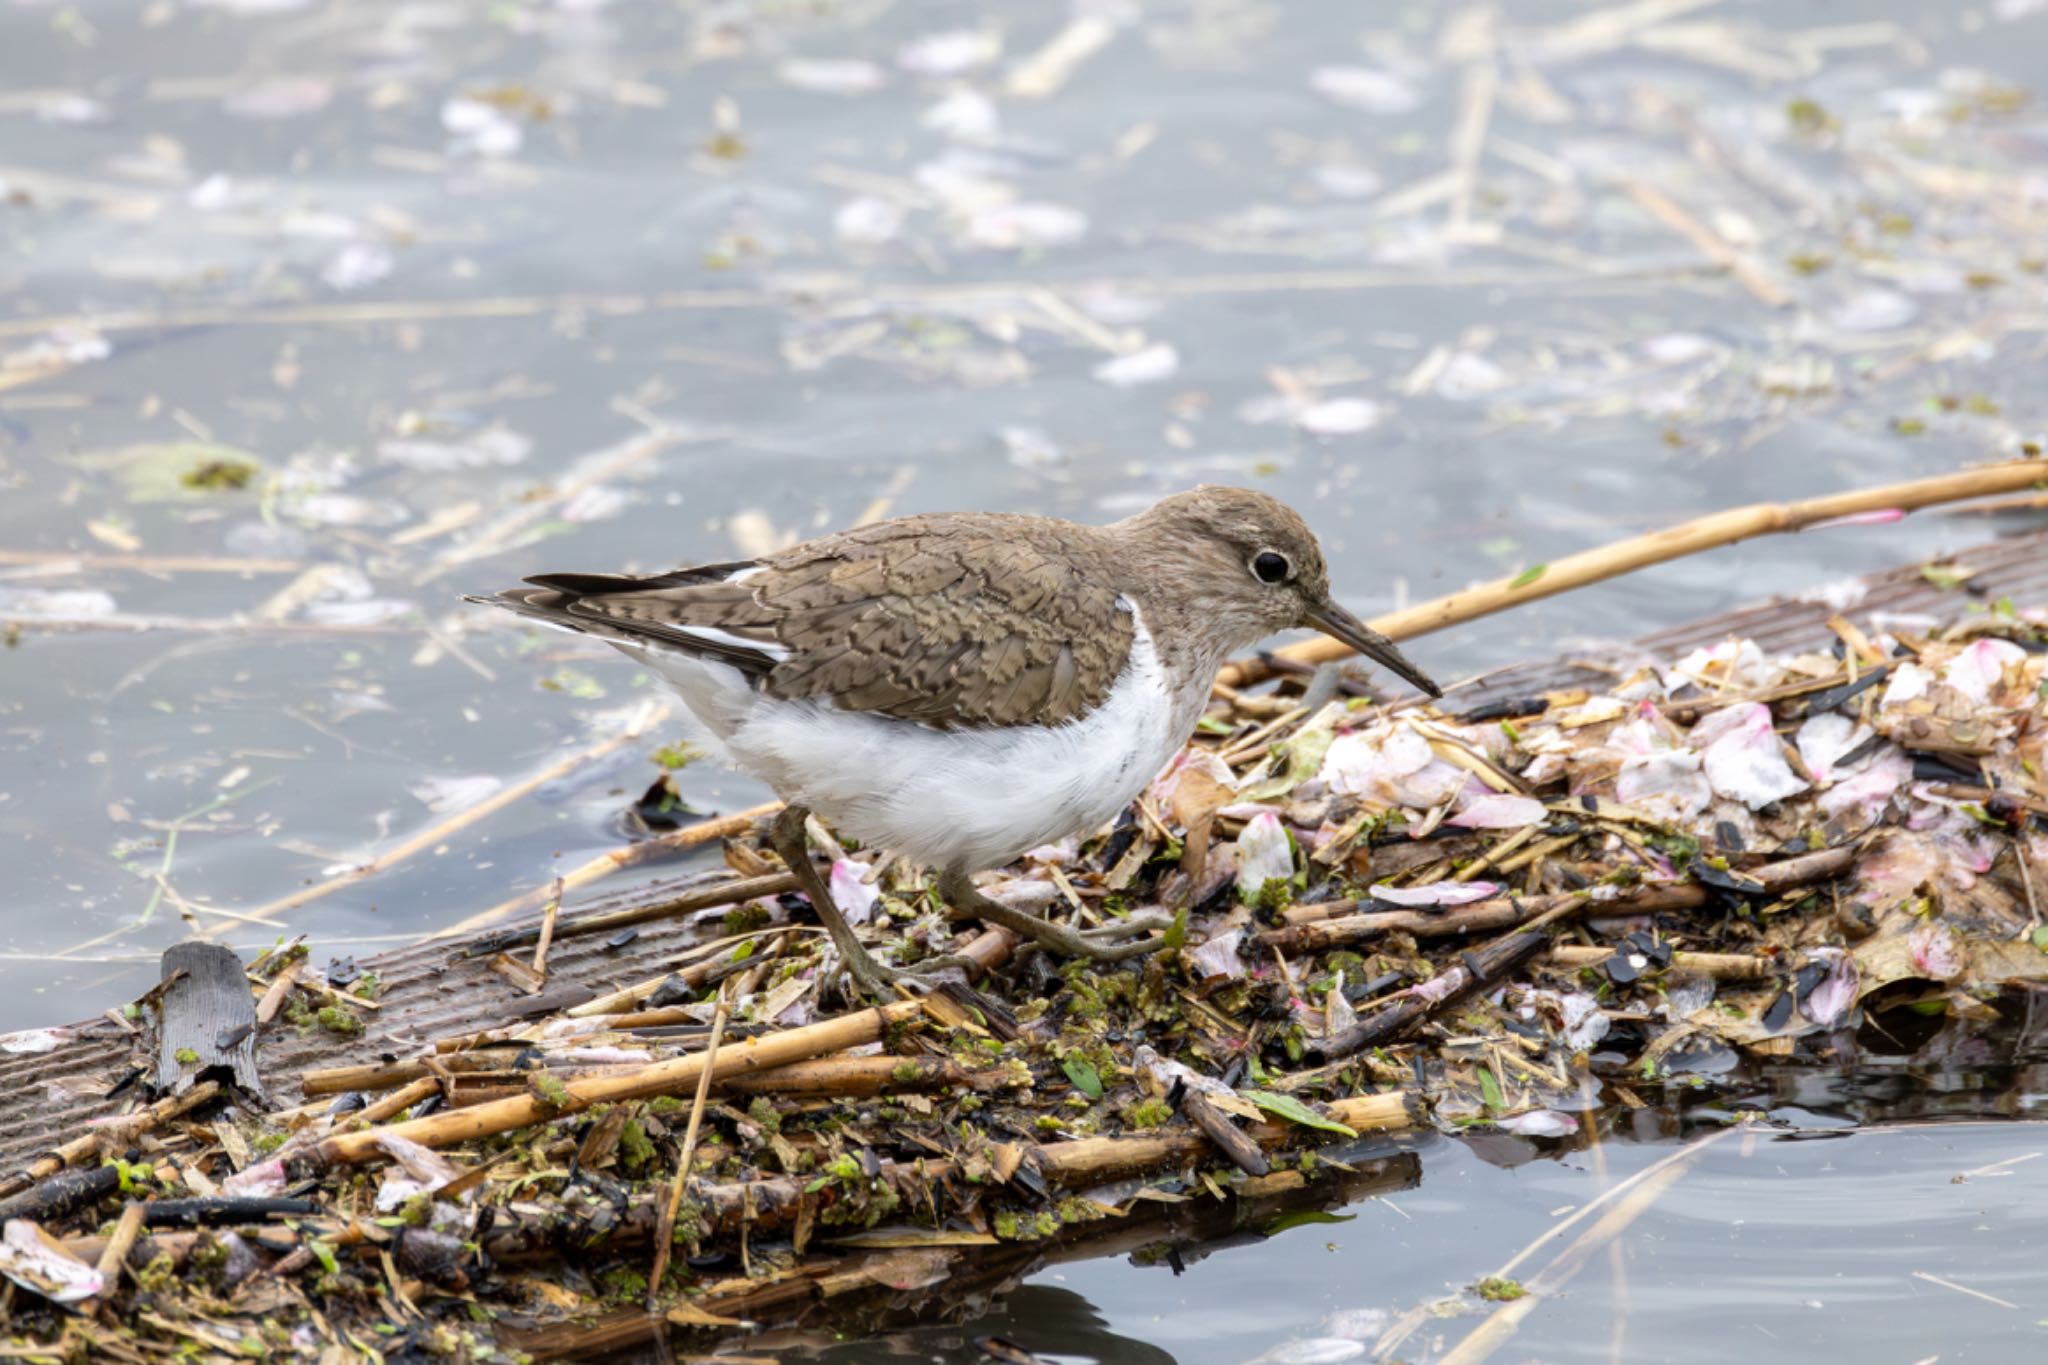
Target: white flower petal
[1436,893]
[855,897]
[1264,854]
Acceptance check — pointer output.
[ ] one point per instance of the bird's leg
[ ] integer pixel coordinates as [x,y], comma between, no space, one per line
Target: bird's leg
[786,836]
[966,898]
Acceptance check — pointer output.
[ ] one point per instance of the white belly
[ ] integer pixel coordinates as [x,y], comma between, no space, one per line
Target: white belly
[963,800]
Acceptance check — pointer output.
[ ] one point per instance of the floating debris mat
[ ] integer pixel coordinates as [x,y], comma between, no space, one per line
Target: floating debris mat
[1525,909]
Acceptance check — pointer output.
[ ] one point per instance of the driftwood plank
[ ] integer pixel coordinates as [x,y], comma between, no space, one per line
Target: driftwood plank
[206,1020]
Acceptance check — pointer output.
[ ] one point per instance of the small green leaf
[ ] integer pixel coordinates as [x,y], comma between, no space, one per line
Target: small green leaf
[1176,936]
[744,951]
[1082,1074]
[2041,937]
[1528,575]
[1489,1089]
[1294,1111]
[1213,725]
[1302,1218]
[674,756]
[325,1255]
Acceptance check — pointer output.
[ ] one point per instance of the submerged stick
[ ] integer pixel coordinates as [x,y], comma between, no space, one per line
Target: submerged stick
[462,819]
[661,1078]
[1629,1200]
[1657,547]
[1710,243]
[618,860]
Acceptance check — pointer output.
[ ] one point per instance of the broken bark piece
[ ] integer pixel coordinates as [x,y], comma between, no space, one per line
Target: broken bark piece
[1229,1139]
[222,1211]
[62,1193]
[1474,969]
[206,1022]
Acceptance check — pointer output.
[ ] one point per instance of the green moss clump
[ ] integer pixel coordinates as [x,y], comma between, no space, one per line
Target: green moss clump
[744,919]
[763,1112]
[186,1056]
[160,1276]
[1015,1227]
[219,476]
[1275,895]
[208,1257]
[418,1211]
[636,1150]
[1147,1113]
[904,1072]
[1495,1289]
[622,1284]
[335,1019]
[299,1013]
[552,1095]
[1078,1210]
[1808,118]
[675,756]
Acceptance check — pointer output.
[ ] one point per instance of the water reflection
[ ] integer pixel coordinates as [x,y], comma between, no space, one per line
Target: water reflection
[1876,1244]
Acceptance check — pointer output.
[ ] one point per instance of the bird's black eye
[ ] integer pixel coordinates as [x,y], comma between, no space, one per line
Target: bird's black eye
[1269,567]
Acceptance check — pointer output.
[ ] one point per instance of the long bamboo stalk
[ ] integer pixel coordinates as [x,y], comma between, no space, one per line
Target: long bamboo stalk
[1719,966]
[1657,547]
[661,1078]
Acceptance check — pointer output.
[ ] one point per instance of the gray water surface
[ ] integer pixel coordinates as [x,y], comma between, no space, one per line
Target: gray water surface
[457,292]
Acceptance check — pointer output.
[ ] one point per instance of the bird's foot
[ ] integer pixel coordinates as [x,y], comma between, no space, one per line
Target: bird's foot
[1127,938]
[870,978]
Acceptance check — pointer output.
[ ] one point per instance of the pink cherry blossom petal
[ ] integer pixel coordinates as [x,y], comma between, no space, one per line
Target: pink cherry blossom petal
[1436,893]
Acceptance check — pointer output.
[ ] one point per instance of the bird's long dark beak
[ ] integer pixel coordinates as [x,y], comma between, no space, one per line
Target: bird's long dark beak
[1339,624]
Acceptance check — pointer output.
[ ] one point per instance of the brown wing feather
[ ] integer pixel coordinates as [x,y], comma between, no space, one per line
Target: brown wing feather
[994,621]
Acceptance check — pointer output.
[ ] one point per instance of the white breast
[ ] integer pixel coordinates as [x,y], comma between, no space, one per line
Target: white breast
[962,799]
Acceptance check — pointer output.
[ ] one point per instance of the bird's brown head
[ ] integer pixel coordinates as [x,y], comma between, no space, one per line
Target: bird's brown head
[1245,565]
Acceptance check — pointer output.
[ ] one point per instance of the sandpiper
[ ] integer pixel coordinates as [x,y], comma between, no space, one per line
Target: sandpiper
[959,688]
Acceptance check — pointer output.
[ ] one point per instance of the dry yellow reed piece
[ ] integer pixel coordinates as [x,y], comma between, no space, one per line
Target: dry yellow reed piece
[1719,966]
[602,866]
[1657,547]
[665,1230]
[661,1078]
